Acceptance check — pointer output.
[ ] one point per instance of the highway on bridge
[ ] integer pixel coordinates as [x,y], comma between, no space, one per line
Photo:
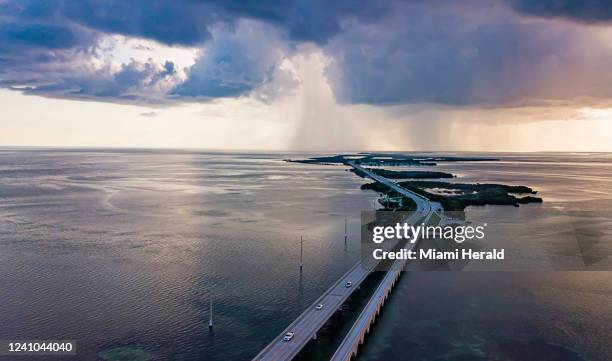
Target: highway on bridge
[307,324]
[423,204]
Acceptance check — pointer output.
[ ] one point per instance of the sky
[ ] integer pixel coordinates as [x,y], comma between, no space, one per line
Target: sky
[440,75]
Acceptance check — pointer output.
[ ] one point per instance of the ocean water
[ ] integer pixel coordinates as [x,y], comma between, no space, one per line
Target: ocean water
[126,248]
[123,249]
[520,315]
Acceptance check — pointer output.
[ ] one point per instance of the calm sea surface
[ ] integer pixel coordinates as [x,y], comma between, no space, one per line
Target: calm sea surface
[122,250]
[517,316]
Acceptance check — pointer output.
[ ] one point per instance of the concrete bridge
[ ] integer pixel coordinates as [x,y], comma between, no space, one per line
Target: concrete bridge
[305,327]
[356,335]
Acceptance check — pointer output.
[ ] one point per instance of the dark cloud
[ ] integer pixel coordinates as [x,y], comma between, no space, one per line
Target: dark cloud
[134,82]
[180,22]
[578,10]
[169,22]
[481,55]
[468,53]
[42,35]
[42,40]
[235,62]
[305,20]
[187,22]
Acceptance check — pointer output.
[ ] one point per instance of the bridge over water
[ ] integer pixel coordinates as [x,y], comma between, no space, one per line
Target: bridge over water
[307,324]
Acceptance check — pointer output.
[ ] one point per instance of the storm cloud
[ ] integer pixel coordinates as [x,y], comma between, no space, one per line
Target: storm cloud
[482,55]
[235,62]
[449,53]
[590,11]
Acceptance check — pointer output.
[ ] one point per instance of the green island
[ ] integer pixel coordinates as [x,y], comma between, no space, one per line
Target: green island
[388,159]
[404,174]
[452,196]
[457,196]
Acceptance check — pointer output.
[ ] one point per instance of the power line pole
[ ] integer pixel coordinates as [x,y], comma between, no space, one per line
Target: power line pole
[345,230]
[210,321]
[301,252]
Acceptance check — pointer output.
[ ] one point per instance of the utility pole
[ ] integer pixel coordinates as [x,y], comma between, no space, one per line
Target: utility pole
[210,321]
[301,252]
[345,230]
